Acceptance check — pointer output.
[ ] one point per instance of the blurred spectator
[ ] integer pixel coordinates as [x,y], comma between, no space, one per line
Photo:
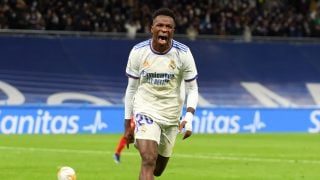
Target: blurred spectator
[192,32]
[316,24]
[292,18]
[132,26]
[247,35]
[4,11]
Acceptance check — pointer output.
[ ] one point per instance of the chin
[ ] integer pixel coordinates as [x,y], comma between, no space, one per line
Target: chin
[163,43]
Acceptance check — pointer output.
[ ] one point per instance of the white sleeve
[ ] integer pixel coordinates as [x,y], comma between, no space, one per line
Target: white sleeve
[192,93]
[190,77]
[189,68]
[130,92]
[132,69]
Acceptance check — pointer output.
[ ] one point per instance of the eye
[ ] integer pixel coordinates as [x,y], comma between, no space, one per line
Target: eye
[169,27]
[160,25]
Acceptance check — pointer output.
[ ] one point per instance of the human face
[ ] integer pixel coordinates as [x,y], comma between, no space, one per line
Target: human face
[162,31]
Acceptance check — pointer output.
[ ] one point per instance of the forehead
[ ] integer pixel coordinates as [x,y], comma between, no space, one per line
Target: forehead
[163,19]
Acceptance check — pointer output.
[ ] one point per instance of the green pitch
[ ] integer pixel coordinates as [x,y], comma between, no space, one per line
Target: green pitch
[201,157]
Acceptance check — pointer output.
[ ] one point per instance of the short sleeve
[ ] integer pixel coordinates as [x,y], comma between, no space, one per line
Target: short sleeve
[190,71]
[132,69]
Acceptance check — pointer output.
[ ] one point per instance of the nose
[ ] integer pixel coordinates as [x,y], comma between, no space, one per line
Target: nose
[164,28]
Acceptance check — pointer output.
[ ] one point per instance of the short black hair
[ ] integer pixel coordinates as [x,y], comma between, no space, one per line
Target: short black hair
[164,11]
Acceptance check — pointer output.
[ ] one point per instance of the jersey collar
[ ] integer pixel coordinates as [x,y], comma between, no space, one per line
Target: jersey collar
[160,53]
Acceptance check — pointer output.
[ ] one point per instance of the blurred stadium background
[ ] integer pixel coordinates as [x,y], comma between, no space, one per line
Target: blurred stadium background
[63,66]
[257,60]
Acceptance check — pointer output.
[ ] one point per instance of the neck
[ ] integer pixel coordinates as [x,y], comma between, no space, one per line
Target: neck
[161,48]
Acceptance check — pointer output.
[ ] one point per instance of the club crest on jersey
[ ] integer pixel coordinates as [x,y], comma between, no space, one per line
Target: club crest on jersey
[172,64]
[143,128]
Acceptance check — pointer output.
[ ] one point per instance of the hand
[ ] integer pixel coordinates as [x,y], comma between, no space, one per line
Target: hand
[187,133]
[129,132]
[187,125]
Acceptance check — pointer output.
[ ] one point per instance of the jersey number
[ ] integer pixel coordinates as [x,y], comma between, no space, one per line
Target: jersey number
[142,119]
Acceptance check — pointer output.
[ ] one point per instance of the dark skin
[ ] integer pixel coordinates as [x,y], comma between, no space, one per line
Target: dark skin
[153,164]
[183,124]
[162,26]
[162,31]
[128,132]
[145,145]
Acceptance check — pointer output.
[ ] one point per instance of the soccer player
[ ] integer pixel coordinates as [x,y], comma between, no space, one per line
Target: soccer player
[156,69]
[122,143]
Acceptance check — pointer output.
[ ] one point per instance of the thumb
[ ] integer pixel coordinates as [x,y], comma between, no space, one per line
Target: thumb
[182,125]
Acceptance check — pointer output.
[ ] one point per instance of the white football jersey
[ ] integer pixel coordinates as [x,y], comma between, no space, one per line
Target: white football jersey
[159,94]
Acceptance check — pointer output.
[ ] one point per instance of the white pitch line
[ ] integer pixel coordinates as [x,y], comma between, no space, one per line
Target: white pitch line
[54,150]
[251,159]
[214,156]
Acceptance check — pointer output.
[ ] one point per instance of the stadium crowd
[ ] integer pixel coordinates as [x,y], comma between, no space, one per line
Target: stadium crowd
[290,18]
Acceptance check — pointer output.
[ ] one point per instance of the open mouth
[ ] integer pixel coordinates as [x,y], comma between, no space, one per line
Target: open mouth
[162,39]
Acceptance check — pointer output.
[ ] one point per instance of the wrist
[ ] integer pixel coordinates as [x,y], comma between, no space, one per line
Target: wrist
[188,117]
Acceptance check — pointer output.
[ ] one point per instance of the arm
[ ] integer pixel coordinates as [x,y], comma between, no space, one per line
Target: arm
[128,109]
[192,101]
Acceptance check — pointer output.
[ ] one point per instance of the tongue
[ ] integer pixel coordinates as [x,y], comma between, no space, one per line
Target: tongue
[162,40]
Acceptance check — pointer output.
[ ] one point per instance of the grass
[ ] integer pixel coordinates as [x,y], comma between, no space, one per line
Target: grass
[202,156]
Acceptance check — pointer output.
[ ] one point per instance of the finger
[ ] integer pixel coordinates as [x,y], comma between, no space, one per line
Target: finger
[187,134]
[127,138]
[127,142]
[131,140]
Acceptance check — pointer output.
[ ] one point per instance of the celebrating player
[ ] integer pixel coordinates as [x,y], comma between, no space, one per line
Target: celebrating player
[156,69]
